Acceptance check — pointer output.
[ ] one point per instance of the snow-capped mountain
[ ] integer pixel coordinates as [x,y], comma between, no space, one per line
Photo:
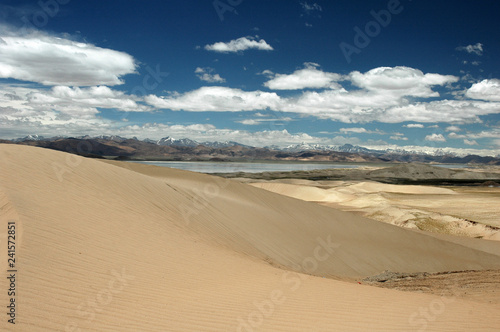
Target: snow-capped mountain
[177,142]
[404,153]
[318,147]
[30,138]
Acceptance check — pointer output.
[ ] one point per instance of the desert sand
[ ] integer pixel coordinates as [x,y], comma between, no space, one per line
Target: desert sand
[110,246]
[462,211]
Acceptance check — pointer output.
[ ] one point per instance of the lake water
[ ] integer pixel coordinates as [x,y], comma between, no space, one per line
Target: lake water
[233,167]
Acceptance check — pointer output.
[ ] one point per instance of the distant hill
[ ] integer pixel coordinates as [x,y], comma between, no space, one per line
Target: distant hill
[169,148]
[183,150]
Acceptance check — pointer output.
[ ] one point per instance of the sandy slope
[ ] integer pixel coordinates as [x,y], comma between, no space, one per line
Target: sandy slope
[461,211]
[107,248]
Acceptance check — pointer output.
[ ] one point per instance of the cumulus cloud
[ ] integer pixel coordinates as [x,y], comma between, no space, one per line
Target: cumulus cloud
[208,75]
[493,133]
[449,111]
[310,77]
[61,110]
[485,90]
[399,137]
[414,125]
[455,135]
[217,99]
[403,81]
[239,45]
[341,105]
[260,121]
[476,49]
[42,58]
[470,142]
[453,128]
[249,122]
[353,130]
[361,130]
[435,138]
[382,97]
[63,97]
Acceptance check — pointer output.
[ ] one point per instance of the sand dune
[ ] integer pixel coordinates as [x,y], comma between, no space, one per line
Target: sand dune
[464,212]
[141,248]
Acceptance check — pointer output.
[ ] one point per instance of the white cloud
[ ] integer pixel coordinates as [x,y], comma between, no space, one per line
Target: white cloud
[253,122]
[311,7]
[250,122]
[381,99]
[485,90]
[494,133]
[455,135]
[39,57]
[361,130]
[470,142]
[400,81]
[239,45]
[208,75]
[341,105]
[308,77]
[399,138]
[61,110]
[435,138]
[353,130]
[217,99]
[414,125]
[60,98]
[453,128]
[449,111]
[476,49]
[267,73]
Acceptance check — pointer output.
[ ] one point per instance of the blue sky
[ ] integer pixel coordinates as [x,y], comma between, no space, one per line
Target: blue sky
[418,75]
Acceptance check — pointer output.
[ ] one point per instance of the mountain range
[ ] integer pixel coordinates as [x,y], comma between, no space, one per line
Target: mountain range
[169,148]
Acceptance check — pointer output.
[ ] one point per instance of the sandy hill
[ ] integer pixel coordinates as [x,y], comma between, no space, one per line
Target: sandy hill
[139,248]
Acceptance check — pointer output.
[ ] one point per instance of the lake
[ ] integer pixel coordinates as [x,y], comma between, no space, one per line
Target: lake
[233,167]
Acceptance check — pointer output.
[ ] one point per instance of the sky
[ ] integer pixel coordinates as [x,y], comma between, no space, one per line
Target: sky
[416,75]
